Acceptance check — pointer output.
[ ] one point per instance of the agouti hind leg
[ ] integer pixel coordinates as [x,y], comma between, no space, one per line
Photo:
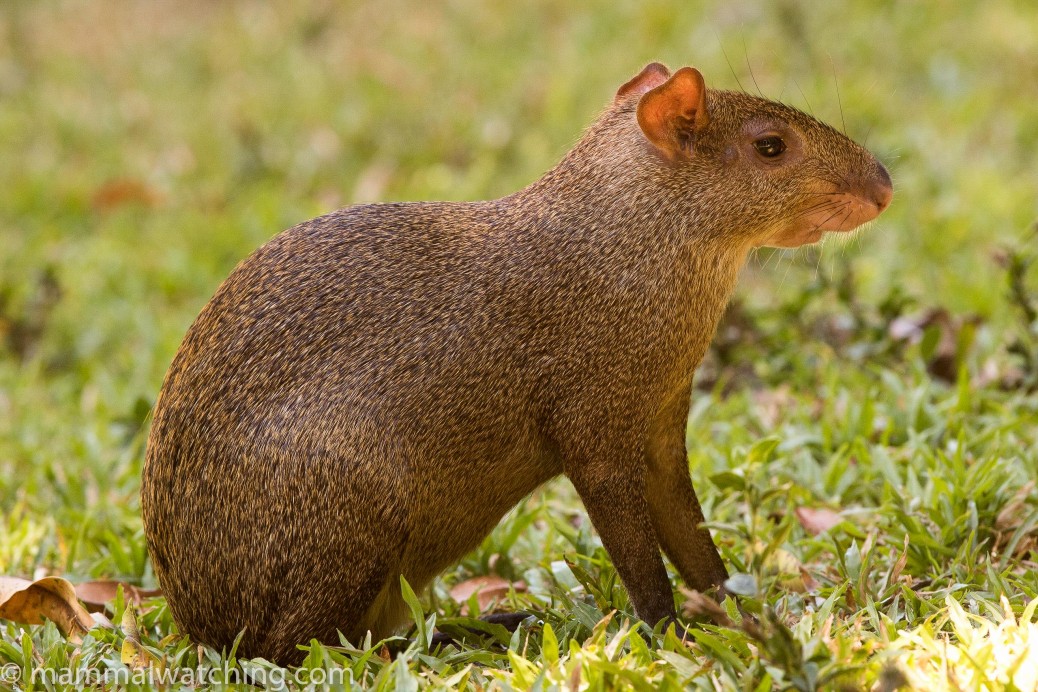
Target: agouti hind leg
[388,612]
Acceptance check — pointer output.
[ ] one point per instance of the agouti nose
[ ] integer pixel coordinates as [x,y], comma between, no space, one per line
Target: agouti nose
[881,190]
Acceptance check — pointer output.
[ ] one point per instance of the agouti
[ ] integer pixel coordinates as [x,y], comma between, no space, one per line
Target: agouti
[370,391]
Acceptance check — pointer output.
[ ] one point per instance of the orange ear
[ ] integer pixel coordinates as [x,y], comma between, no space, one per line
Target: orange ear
[651,76]
[673,112]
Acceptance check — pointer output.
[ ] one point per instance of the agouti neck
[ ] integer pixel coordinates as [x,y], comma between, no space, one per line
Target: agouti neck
[601,212]
[611,189]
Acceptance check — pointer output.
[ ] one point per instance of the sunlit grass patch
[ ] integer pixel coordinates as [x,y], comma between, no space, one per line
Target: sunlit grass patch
[958,650]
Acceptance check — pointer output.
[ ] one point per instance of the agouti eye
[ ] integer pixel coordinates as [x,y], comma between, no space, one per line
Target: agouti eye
[769,147]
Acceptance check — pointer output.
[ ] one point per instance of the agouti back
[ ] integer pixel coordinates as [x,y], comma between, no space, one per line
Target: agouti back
[369,392]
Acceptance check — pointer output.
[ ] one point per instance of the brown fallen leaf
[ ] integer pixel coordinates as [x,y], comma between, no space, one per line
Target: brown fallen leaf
[698,605]
[899,565]
[773,404]
[793,576]
[1010,518]
[954,337]
[808,580]
[1012,513]
[122,191]
[97,594]
[816,521]
[53,598]
[489,589]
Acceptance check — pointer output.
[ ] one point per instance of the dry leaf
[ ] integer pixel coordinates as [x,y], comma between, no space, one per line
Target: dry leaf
[696,604]
[102,620]
[792,572]
[911,327]
[899,566]
[772,404]
[816,521]
[809,582]
[1010,516]
[943,363]
[1009,520]
[53,598]
[575,677]
[489,590]
[97,594]
[122,191]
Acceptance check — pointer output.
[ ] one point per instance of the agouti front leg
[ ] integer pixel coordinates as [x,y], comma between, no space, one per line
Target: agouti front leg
[674,507]
[613,492]
[677,517]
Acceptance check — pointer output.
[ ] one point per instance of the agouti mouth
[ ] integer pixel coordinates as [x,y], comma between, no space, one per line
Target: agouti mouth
[845,212]
[838,212]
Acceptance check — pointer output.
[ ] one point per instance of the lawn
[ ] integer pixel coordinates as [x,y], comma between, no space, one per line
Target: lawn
[863,436]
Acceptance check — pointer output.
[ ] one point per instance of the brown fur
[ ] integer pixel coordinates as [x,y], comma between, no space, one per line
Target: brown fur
[368,393]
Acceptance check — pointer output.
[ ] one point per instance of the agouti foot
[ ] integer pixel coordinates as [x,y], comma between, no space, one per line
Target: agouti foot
[510,621]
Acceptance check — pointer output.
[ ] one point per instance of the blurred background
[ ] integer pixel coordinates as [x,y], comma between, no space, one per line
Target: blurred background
[148,146]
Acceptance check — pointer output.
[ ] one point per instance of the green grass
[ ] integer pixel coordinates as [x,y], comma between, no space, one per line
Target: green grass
[146,147]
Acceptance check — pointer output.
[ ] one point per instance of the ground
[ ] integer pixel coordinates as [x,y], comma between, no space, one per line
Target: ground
[863,434]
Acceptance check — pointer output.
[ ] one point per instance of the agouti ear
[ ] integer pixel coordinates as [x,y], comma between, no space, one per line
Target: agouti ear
[672,113]
[651,76]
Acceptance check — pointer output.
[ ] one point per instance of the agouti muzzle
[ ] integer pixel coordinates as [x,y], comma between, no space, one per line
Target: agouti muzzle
[369,392]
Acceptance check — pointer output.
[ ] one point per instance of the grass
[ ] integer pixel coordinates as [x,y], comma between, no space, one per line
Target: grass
[146,147]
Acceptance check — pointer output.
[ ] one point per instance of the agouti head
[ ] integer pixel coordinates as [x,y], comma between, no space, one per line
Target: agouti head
[777,176]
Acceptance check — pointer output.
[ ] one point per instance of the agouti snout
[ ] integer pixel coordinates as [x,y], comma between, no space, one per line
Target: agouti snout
[369,392]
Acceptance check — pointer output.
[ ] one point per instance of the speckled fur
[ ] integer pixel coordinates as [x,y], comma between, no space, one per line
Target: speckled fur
[368,393]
